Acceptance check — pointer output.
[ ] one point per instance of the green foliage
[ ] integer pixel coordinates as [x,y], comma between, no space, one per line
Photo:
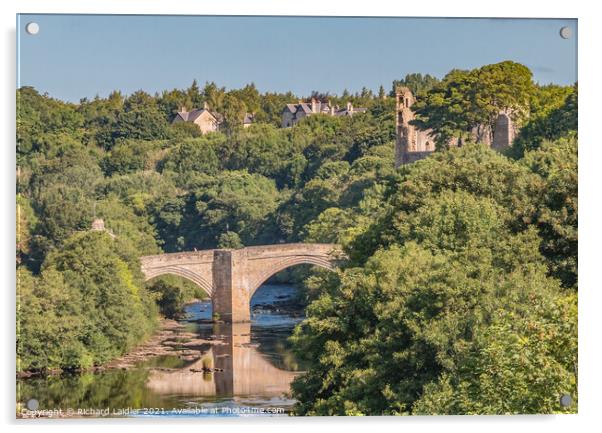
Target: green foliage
[100,117]
[87,306]
[182,130]
[447,305]
[229,240]
[130,156]
[472,168]
[557,212]
[263,149]
[388,332]
[49,322]
[518,365]
[140,119]
[459,294]
[61,190]
[172,293]
[419,84]
[192,156]
[233,112]
[126,225]
[454,220]
[26,225]
[230,201]
[38,115]
[555,116]
[467,101]
[271,107]
[156,185]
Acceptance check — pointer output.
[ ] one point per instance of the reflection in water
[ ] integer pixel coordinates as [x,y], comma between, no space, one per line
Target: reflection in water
[250,365]
[230,368]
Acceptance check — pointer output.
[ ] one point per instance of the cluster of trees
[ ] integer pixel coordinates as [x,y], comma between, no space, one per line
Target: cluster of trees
[85,307]
[460,294]
[465,105]
[162,187]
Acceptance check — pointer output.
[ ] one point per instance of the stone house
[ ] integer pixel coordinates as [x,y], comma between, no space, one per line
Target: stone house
[413,144]
[206,120]
[293,113]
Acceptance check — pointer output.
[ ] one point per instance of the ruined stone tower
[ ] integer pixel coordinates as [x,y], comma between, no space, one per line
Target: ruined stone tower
[413,144]
[504,132]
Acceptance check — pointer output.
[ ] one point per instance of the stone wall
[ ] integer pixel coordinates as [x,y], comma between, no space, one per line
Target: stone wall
[503,135]
[206,123]
[413,144]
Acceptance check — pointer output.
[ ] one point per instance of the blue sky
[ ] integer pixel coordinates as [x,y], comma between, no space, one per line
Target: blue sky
[75,56]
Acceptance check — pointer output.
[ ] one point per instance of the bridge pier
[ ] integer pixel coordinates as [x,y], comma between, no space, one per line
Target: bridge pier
[231,299]
[230,277]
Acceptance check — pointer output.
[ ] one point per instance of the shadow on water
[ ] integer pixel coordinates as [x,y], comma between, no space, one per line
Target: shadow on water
[249,365]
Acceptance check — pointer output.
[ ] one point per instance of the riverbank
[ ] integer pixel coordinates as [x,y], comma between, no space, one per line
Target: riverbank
[190,363]
[171,338]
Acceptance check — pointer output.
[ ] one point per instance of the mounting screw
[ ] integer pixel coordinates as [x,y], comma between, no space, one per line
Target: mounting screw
[566,32]
[32,28]
[566,400]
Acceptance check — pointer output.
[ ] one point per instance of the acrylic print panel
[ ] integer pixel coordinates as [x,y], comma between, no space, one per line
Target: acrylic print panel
[274,216]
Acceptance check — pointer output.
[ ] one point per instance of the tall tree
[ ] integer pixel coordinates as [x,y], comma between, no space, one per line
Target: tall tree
[419,84]
[468,101]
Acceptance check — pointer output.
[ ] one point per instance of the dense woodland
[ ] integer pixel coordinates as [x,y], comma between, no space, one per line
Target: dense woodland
[460,292]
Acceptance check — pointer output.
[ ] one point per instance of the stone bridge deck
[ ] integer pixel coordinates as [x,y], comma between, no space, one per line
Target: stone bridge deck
[230,277]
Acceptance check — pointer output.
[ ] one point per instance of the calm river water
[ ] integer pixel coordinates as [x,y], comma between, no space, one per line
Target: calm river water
[245,372]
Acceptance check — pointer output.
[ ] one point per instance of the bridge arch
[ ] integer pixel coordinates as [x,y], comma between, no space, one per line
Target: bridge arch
[288,262]
[184,273]
[230,277]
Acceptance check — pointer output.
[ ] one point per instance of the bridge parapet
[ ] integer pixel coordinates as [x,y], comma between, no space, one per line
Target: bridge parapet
[188,257]
[231,276]
[194,265]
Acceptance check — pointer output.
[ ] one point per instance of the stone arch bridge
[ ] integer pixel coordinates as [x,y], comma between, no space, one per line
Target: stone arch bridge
[231,277]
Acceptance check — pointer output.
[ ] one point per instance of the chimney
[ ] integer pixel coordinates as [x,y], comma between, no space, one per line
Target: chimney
[314,105]
[183,109]
[349,107]
[205,106]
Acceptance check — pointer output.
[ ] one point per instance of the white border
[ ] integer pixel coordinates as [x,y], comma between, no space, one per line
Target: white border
[589,181]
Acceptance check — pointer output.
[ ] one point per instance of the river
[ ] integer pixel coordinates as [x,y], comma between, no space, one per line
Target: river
[237,370]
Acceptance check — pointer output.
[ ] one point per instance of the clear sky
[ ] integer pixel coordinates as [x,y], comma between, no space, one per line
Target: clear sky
[76,56]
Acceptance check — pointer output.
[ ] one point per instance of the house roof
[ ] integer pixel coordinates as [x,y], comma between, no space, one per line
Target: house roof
[304,107]
[345,112]
[323,107]
[191,116]
[291,107]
